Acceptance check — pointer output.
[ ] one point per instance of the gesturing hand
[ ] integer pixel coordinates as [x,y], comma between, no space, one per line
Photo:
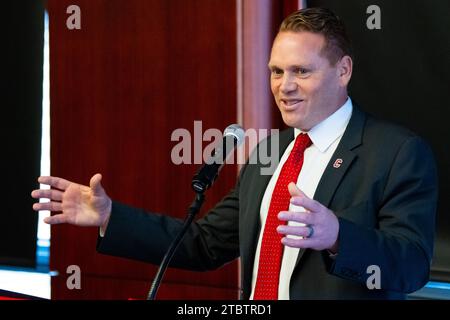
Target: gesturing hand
[79,205]
[322,220]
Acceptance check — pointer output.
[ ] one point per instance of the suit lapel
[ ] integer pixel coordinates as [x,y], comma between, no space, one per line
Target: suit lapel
[342,158]
[340,162]
[332,176]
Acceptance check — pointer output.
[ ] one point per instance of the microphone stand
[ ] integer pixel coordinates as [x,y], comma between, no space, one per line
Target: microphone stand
[192,211]
[202,180]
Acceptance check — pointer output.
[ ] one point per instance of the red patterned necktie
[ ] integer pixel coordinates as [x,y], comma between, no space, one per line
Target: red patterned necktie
[271,252]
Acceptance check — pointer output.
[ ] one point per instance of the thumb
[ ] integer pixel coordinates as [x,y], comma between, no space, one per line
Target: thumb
[295,191]
[96,185]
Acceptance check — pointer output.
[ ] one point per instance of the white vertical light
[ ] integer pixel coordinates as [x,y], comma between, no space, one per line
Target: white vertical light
[43,228]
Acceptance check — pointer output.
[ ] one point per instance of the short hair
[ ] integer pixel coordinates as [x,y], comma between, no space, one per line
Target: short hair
[322,21]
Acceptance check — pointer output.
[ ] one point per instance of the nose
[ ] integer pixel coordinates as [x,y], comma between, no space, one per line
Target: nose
[288,84]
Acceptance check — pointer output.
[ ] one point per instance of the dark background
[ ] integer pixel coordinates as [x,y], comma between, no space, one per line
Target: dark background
[20,130]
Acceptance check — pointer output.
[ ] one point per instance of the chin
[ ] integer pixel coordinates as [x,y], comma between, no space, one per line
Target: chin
[292,122]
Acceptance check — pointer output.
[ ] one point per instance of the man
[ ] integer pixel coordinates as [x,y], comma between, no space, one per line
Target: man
[351,195]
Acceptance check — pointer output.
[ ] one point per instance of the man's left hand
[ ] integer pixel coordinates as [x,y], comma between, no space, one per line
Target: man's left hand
[322,221]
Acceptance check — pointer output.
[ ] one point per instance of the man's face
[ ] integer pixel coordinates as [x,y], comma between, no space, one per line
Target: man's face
[307,89]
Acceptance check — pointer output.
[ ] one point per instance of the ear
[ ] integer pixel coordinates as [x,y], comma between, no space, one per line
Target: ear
[344,69]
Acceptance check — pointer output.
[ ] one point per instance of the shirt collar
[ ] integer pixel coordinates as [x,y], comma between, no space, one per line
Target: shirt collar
[326,132]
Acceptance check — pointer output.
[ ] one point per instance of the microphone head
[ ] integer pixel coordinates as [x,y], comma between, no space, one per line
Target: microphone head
[208,173]
[235,131]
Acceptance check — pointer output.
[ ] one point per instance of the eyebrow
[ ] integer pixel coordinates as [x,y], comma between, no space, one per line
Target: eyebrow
[274,66]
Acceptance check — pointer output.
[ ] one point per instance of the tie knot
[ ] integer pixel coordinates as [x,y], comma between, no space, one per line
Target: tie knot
[302,142]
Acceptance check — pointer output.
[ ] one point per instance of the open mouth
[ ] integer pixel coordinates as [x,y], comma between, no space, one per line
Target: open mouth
[290,104]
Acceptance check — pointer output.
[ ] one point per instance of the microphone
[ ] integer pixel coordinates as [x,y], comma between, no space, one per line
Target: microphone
[233,137]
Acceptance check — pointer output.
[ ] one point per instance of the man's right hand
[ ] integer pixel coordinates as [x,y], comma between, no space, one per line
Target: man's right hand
[78,204]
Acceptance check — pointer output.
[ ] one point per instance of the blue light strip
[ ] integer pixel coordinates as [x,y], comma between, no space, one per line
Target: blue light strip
[438,285]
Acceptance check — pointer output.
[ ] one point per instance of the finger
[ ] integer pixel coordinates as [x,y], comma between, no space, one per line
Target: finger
[96,185]
[303,217]
[52,206]
[307,203]
[56,219]
[293,230]
[51,194]
[297,243]
[294,191]
[297,194]
[55,182]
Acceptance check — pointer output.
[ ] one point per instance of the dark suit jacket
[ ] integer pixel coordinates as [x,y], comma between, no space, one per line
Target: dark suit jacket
[384,195]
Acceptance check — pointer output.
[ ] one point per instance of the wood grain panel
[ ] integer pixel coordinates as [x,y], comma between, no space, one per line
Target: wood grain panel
[136,71]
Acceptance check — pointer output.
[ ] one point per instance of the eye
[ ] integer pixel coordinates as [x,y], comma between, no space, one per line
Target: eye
[276,72]
[301,71]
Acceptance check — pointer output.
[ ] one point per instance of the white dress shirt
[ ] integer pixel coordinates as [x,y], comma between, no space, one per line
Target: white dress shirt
[325,137]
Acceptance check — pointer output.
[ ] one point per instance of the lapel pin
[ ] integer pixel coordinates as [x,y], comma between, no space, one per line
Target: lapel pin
[337,163]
